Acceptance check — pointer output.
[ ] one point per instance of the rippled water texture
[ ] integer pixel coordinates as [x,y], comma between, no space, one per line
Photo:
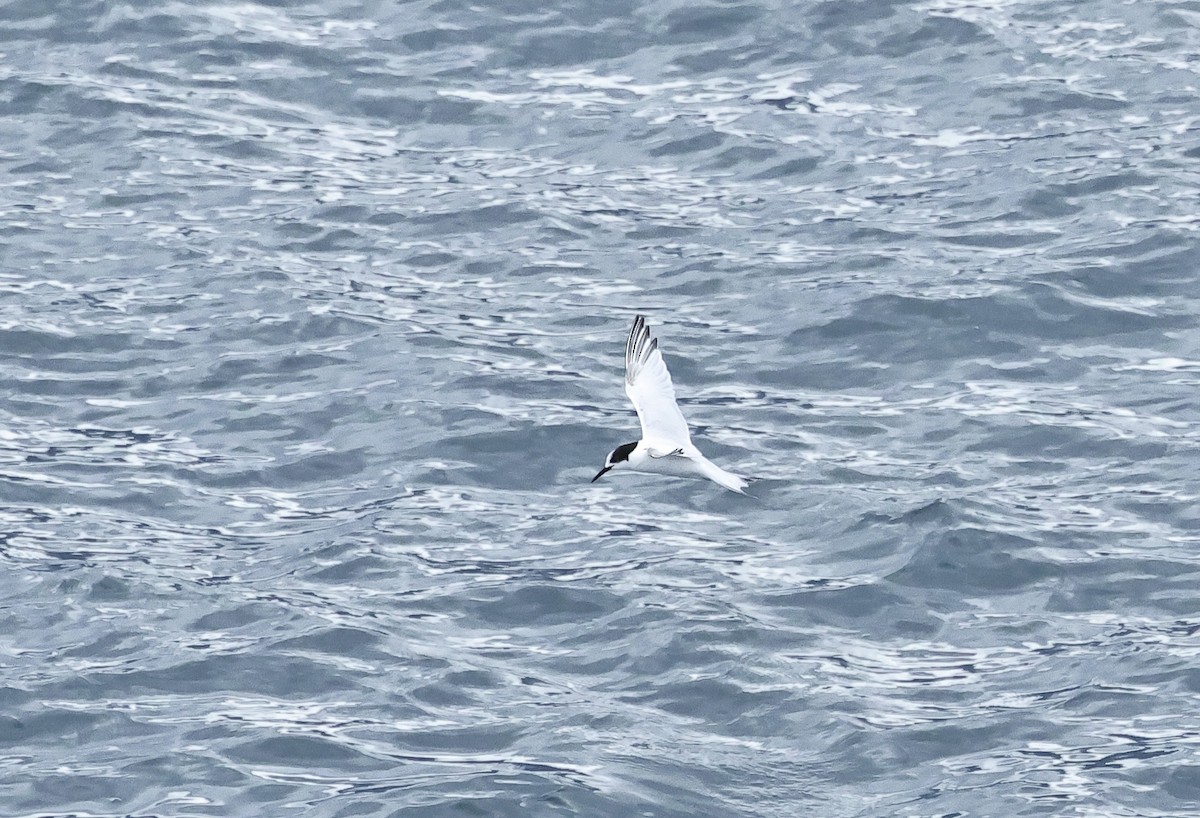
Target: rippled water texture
[311,323]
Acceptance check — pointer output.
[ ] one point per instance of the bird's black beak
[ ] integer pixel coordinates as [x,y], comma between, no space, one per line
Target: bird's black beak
[601,473]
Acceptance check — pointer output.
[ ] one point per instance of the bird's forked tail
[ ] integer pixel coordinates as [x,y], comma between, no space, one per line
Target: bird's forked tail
[717,474]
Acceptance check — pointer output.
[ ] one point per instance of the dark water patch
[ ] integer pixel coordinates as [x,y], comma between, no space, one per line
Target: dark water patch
[306,751]
[934,32]
[542,605]
[1056,100]
[349,641]
[702,22]
[691,144]
[277,676]
[976,560]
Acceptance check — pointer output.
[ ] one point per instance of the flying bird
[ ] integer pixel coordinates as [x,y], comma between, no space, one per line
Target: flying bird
[666,446]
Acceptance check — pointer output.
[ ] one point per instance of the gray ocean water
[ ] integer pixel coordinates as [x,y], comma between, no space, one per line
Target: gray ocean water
[311,329]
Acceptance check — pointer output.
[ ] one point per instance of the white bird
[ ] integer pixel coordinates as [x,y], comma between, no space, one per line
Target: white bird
[665,447]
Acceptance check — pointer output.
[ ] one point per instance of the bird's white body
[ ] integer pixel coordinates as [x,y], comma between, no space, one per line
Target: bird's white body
[688,463]
[666,445]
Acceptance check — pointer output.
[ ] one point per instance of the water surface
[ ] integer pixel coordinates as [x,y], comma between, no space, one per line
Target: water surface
[311,323]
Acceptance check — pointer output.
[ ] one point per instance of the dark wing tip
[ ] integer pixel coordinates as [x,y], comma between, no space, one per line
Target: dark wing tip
[638,322]
[636,346]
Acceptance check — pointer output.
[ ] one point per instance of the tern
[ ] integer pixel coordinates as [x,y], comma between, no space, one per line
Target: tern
[666,446]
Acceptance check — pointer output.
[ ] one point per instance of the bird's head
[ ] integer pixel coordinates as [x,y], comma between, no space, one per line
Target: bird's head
[617,458]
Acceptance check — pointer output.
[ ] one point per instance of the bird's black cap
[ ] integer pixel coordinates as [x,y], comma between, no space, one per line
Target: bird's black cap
[619,455]
[622,452]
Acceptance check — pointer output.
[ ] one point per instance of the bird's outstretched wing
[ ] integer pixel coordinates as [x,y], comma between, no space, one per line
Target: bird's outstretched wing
[648,385]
